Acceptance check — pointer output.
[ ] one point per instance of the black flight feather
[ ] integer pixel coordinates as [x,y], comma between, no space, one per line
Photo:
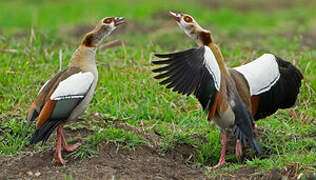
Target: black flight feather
[186,73]
[283,93]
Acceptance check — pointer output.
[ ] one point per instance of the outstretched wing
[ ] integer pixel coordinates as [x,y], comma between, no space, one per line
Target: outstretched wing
[274,83]
[60,104]
[192,71]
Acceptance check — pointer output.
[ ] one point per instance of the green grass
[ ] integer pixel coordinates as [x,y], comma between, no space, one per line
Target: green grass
[32,34]
[14,133]
[119,137]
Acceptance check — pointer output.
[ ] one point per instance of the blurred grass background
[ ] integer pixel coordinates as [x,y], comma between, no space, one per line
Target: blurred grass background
[34,33]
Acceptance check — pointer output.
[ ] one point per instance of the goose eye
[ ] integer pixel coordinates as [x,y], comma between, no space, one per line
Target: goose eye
[188,19]
[107,20]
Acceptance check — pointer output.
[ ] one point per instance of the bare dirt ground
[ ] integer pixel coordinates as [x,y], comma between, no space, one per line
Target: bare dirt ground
[144,163]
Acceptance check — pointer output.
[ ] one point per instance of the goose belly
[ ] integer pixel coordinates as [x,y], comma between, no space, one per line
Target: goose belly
[225,120]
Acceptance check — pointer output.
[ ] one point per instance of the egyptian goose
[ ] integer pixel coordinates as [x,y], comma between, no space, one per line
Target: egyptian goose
[234,98]
[69,92]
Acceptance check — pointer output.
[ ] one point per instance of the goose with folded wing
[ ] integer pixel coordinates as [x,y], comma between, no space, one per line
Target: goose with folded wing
[233,98]
[69,92]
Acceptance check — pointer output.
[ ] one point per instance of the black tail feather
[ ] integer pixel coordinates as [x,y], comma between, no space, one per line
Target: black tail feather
[255,145]
[243,127]
[244,140]
[44,132]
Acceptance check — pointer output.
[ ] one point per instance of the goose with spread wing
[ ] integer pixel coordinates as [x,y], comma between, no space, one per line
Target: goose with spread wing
[233,98]
[69,92]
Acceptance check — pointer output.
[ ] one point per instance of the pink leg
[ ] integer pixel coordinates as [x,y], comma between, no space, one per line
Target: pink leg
[222,158]
[238,149]
[66,147]
[58,156]
[255,129]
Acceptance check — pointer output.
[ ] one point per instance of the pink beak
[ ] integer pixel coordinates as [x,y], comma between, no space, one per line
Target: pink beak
[174,16]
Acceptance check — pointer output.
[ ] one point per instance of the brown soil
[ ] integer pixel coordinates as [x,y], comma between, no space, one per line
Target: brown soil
[144,163]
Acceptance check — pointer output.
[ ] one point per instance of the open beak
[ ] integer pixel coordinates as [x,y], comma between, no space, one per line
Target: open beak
[175,16]
[118,20]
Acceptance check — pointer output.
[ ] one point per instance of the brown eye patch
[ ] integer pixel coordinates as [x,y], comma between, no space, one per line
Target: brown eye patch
[188,19]
[107,20]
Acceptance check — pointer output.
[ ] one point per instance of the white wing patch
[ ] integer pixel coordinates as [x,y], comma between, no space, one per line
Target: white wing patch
[261,73]
[212,66]
[75,86]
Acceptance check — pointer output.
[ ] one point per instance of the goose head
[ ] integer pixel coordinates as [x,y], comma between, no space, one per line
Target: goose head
[105,27]
[191,28]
